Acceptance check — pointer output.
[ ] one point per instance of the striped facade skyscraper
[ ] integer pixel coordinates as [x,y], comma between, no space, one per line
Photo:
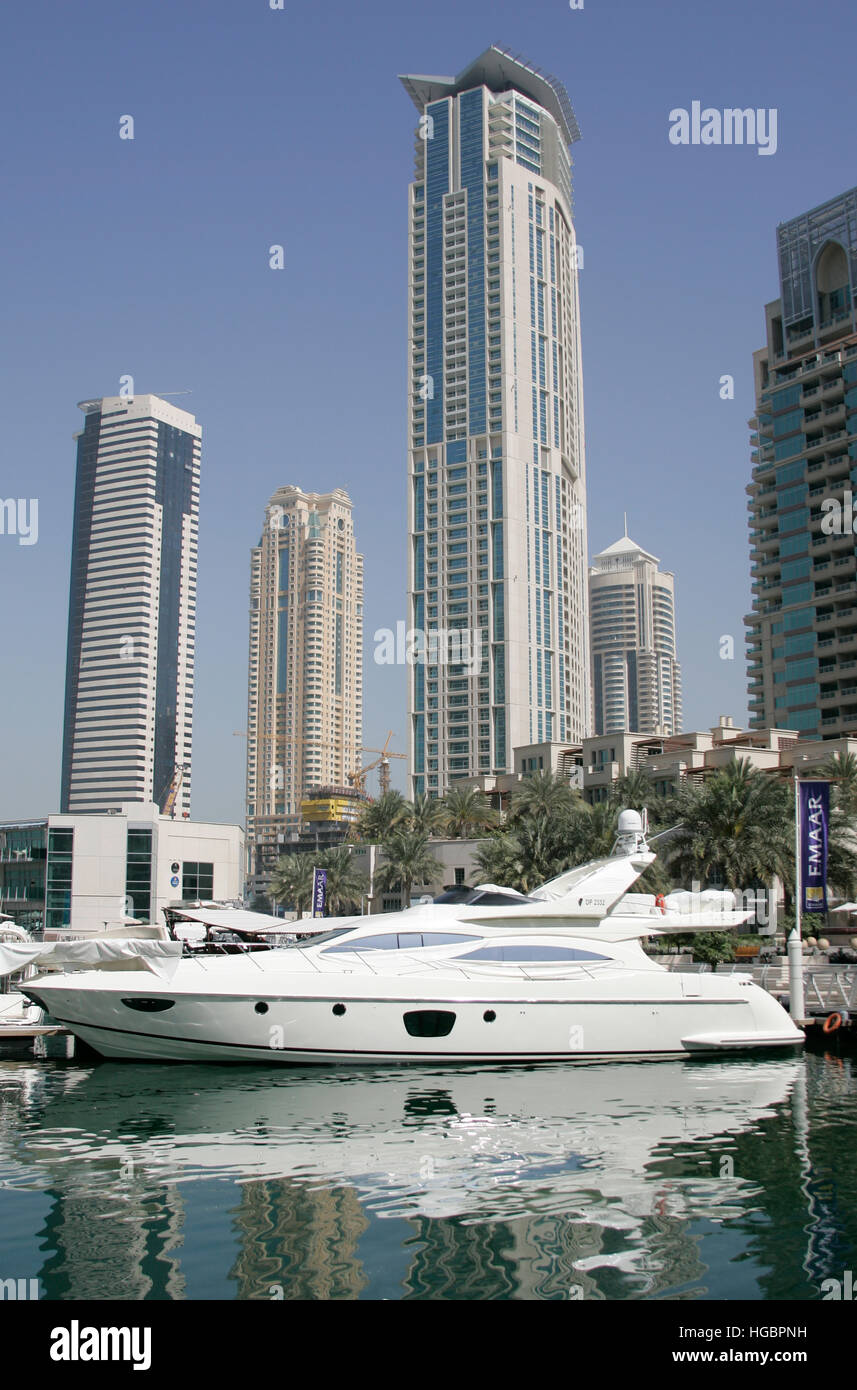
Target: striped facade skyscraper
[305,689]
[496,468]
[132,607]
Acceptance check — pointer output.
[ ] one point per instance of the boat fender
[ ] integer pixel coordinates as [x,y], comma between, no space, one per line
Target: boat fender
[831,1023]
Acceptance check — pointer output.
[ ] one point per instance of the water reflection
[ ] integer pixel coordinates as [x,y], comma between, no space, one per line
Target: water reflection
[621,1180]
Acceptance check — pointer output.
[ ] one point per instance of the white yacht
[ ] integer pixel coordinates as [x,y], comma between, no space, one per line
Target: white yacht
[504,977]
[18,1015]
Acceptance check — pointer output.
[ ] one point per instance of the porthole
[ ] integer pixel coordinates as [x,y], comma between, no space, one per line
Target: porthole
[261,1007]
[489,1015]
[339,1010]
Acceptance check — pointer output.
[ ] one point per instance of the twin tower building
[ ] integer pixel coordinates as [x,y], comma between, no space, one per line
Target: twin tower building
[496,498]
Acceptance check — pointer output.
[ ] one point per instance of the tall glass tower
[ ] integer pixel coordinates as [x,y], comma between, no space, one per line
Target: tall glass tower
[496,485]
[802,632]
[132,607]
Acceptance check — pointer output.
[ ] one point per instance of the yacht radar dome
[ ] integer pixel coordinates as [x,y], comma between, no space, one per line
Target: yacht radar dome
[630,823]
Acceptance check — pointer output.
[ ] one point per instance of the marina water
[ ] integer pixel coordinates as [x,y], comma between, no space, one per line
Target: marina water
[694,1180]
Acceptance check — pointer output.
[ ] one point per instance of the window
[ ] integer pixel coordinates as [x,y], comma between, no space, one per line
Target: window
[197,881]
[59,878]
[138,875]
[429,1023]
[402,941]
[533,953]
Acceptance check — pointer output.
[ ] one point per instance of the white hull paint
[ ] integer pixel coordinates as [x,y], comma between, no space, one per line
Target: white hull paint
[609,1017]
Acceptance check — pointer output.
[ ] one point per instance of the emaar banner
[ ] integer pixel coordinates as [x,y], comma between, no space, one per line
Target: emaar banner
[319,891]
[814,820]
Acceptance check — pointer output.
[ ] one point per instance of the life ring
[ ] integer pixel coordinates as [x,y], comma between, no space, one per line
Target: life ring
[831,1023]
[660,902]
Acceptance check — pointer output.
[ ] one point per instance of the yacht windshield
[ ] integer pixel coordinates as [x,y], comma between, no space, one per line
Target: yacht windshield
[317,939]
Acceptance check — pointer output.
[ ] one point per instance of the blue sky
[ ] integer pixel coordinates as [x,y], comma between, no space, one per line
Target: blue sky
[255,127]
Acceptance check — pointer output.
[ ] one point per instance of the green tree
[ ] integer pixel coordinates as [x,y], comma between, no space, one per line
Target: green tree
[427,815]
[378,818]
[633,790]
[527,852]
[593,830]
[291,881]
[407,860]
[499,860]
[345,882]
[543,794]
[841,770]
[736,829]
[709,947]
[467,810]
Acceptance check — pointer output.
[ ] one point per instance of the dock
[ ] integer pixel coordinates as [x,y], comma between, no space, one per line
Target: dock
[38,1040]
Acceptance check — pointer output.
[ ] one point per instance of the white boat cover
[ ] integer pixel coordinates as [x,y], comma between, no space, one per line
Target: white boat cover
[161,957]
[232,919]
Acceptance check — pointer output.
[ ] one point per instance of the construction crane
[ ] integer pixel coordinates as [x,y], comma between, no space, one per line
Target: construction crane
[382,762]
[357,779]
[175,783]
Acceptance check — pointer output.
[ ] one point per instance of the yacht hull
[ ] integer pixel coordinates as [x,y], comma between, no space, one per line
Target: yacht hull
[376,1021]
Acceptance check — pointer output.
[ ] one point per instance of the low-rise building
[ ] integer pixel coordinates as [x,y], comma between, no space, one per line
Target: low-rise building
[85,872]
[595,764]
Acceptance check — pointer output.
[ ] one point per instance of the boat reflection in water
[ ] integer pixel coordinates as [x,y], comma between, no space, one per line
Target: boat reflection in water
[572,1181]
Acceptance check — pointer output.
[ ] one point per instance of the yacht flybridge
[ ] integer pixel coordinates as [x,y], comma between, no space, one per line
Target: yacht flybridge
[502,977]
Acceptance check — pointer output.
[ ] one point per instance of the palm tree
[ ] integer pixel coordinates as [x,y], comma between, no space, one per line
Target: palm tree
[736,829]
[593,830]
[378,818]
[841,769]
[408,860]
[427,815]
[467,810]
[543,794]
[291,882]
[633,790]
[345,883]
[499,860]
[528,852]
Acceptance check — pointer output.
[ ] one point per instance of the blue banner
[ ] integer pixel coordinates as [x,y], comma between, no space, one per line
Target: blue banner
[319,891]
[814,821]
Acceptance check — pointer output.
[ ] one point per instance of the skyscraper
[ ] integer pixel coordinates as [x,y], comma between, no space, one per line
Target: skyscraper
[305,697]
[802,633]
[636,678]
[497,498]
[132,607]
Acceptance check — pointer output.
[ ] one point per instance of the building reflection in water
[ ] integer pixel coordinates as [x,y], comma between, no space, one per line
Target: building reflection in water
[170,1185]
